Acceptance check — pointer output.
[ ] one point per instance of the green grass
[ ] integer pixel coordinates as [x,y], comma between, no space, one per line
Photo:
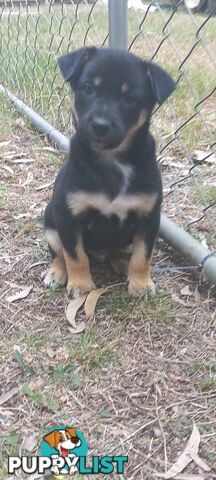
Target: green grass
[94,352]
[208,384]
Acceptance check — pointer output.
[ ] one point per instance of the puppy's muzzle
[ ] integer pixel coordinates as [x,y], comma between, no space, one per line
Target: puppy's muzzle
[100,126]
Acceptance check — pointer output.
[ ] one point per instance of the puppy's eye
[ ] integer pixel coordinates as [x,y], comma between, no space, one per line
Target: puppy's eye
[130,99]
[61,439]
[88,89]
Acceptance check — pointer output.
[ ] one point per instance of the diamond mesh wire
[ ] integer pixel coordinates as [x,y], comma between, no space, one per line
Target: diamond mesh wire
[34,33]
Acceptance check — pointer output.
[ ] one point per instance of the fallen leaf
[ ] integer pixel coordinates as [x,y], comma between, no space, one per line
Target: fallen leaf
[91,301]
[71,312]
[186,291]
[190,451]
[20,295]
[8,395]
[8,169]
[79,328]
[200,462]
[30,443]
[24,160]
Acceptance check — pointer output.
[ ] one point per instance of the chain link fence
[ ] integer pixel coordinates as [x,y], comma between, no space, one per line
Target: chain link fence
[34,33]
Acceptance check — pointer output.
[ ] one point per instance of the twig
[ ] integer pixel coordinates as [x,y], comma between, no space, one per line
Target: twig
[140,429]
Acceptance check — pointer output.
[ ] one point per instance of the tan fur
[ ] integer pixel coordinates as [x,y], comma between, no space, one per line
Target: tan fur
[54,241]
[53,438]
[139,269]
[56,275]
[79,275]
[72,432]
[131,132]
[141,203]
[124,88]
[97,81]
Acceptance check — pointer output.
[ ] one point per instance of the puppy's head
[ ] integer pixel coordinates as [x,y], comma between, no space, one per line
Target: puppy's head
[63,440]
[114,94]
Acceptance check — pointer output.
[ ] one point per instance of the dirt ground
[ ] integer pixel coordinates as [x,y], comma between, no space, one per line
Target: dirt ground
[138,377]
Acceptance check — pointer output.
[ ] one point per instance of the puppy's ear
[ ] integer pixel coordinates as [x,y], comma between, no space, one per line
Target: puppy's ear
[50,438]
[71,431]
[74,438]
[162,84]
[72,63]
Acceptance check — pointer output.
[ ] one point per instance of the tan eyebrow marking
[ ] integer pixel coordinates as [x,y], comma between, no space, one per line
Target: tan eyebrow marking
[97,81]
[124,87]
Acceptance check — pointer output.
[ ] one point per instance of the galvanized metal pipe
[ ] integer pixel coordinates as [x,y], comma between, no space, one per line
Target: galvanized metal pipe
[118,24]
[39,122]
[187,246]
[176,236]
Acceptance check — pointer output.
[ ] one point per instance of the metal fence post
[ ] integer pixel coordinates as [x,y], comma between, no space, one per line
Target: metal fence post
[118,24]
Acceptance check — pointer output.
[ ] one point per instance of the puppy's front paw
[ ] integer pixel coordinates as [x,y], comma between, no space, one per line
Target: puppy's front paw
[140,286]
[56,275]
[76,290]
[55,471]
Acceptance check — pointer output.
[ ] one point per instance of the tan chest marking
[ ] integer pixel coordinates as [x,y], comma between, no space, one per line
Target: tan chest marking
[80,202]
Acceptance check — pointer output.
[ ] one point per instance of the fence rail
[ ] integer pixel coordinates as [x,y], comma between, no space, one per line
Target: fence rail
[33,34]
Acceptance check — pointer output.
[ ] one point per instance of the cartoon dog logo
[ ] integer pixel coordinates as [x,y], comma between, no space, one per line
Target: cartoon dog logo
[63,441]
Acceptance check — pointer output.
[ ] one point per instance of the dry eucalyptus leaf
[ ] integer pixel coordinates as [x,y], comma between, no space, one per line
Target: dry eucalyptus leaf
[20,295]
[79,328]
[7,169]
[8,395]
[200,462]
[91,301]
[190,451]
[24,160]
[186,291]
[71,312]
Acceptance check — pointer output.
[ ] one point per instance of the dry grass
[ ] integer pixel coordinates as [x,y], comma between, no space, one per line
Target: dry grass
[143,371]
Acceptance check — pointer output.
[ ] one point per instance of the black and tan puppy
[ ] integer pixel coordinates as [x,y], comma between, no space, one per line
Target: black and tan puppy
[108,193]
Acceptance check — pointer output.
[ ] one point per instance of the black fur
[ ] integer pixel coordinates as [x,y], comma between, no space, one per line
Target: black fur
[103,116]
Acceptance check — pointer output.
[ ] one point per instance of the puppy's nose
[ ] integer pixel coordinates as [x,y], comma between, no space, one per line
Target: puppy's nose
[100,126]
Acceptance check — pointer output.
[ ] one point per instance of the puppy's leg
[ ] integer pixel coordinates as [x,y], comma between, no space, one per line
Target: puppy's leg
[139,276]
[56,275]
[78,271]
